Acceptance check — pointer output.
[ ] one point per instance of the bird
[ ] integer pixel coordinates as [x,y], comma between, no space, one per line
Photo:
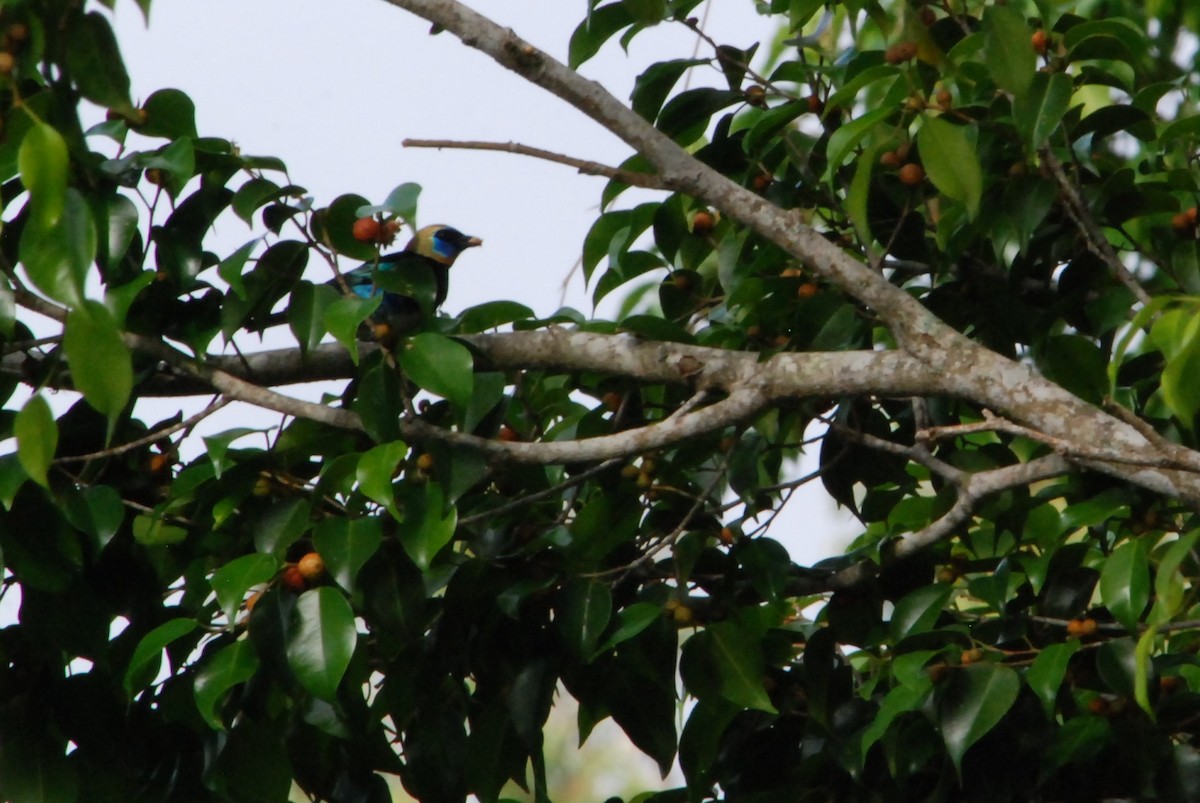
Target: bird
[434,249]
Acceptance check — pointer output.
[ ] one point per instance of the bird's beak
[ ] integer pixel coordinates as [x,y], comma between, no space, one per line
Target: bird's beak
[473,241]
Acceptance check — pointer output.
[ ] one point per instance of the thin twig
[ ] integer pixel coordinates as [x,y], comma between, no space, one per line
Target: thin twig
[146,440]
[588,168]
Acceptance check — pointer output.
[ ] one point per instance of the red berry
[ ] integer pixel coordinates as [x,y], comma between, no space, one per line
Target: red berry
[293,580]
[912,174]
[366,229]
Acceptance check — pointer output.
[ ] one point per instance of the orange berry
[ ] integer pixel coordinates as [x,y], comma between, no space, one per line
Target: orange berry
[944,99]
[1099,706]
[508,434]
[754,330]
[756,96]
[912,174]
[889,160]
[311,566]
[1088,627]
[157,463]
[1075,627]
[424,461]
[703,223]
[972,656]
[781,340]
[629,471]
[1039,41]
[293,580]
[153,175]
[7,63]
[366,229]
[807,290]
[815,104]
[761,182]
[726,536]
[900,52]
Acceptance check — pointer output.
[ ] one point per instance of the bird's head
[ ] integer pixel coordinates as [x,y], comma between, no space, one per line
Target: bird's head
[441,243]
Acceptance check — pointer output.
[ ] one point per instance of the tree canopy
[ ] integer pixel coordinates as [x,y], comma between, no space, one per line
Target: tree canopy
[960,237]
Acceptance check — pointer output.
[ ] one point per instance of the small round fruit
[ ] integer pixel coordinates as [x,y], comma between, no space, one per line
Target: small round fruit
[944,99]
[1075,627]
[262,487]
[612,401]
[682,614]
[425,461]
[971,656]
[946,574]
[889,160]
[761,182]
[900,52]
[1099,706]
[781,340]
[791,273]
[1191,215]
[311,567]
[756,96]
[703,223]
[902,150]
[17,32]
[644,480]
[629,471]
[154,175]
[937,672]
[815,104]
[726,536]
[807,290]
[912,174]
[157,463]
[293,580]
[754,330]
[1039,41]
[366,230]
[1088,627]
[7,63]
[508,434]
[681,281]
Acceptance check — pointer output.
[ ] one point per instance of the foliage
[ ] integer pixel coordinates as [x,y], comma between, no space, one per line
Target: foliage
[1025,170]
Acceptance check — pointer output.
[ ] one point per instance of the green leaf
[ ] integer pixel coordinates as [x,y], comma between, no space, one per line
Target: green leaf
[344,316]
[1169,588]
[948,153]
[1125,583]
[37,438]
[232,665]
[216,446]
[146,660]
[101,365]
[1143,665]
[1046,675]
[376,472]
[492,314]
[591,34]
[584,615]
[1008,50]
[233,267]
[346,545]
[170,113]
[322,640]
[848,137]
[630,621]
[740,665]
[334,225]
[646,12]
[918,610]
[42,160]
[441,366]
[235,578]
[57,256]
[153,531]
[306,312]
[900,700]
[1040,110]
[280,526]
[402,201]
[978,698]
[432,525]
[1176,333]
[651,88]
[94,60]
[1076,363]
[177,161]
[36,769]
[97,510]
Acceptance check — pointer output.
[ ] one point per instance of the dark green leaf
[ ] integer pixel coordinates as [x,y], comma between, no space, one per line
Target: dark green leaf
[429,525]
[95,63]
[147,657]
[948,153]
[1125,583]
[322,640]
[37,438]
[1008,50]
[231,666]
[234,579]
[346,545]
[101,365]
[979,697]
[440,365]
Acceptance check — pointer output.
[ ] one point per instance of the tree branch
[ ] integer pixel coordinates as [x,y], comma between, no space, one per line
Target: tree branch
[588,168]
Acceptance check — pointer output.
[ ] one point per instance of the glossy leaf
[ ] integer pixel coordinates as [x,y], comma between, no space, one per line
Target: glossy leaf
[101,365]
[147,656]
[1040,110]
[1008,51]
[440,365]
[238,576]
[948,153]
[346,545]
[919,610]
[37,438]
[376,472]
[58,255]
[979,699]
[322,641]
[230,666]
[584,615]
[1046,675]
[429,525]
[43,162]
[1125,583]
[740,666]
[95,62]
